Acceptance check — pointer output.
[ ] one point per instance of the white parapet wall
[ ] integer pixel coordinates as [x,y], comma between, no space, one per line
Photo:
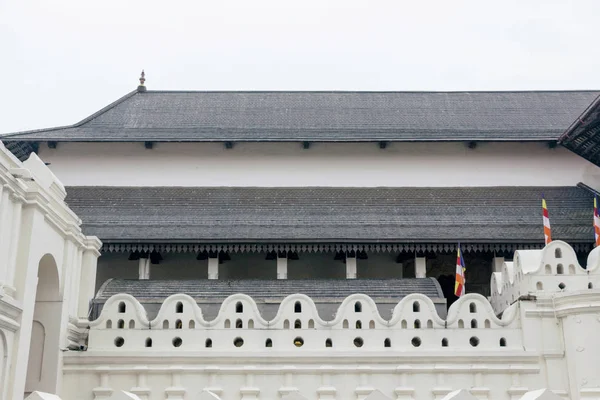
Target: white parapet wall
[543,339]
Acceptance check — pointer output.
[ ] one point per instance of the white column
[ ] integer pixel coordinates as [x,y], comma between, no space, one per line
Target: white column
[350,266]
[14,245]
[497,264]
[87,278]
[420,267]
[282,262]
[5,234]
[144,270]
[213,267]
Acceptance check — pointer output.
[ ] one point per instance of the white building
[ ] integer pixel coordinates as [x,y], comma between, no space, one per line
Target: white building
[258,245]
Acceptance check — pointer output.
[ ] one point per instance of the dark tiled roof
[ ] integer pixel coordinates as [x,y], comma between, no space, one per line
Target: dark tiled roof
[583,136]
[320,214]
[217,290]
[326,116]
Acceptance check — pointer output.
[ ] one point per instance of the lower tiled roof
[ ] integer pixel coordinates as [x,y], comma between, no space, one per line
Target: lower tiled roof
[218,290]
[320,214]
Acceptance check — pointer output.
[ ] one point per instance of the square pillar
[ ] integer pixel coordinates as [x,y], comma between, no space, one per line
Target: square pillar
[351,266]
[420,267]
[497,263]
[213,267]
[87,278]
[282,265]
[144,270]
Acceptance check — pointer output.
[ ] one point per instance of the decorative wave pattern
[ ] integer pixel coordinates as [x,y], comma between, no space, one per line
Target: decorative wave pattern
[471,323]
[553,269]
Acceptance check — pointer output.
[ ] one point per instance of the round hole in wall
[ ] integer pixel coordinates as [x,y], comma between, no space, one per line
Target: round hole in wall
[177,342]
[416,341]
[358,342]
[119,341]
[474,341]
[298,342]
[238,342]
[561,286]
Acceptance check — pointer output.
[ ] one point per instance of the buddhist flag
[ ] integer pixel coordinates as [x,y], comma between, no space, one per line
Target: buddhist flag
[596,222]
[546,218]
[459,285]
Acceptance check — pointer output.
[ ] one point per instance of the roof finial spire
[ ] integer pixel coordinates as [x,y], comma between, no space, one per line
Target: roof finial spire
[141,87]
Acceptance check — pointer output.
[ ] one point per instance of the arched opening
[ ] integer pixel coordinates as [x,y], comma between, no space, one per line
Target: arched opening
[371,324]
[311,324]
[387,343]
[590,285]
[429,323]
[297,324]
[557,253]
[178,324]
[404,324]
[250,324]
[416,306]
[44,348]
[239,307]
[286,324]
[166,324]
[131,324]
[444,342]
[345,324]
[487,324]
[358,325]
[560,269]
[472,308]
[192,324]
[227,324]
[120,324]
[357,307]
[268,343]
[502,342]
[417,324]
[109,324]
[149,342]
[461,323]
[297,307]
[239,324]
[208,343]
[548,269]
[328,343]
[539,286]
[179,307]
[571,269]
[473,323]
[122,307]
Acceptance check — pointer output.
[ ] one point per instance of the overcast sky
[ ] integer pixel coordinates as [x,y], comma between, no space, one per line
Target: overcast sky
[63,60]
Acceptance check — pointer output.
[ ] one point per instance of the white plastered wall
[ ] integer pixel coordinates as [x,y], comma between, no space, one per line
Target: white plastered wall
[323,164]
[534,344]
[46,265]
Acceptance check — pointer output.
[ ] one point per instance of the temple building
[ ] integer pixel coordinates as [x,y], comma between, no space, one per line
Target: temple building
[302,245]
